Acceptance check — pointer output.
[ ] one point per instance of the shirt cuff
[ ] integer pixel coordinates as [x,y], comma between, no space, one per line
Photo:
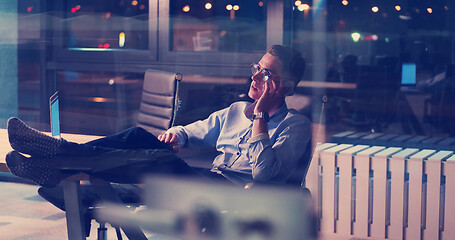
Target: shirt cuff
[178,130]
[259,137]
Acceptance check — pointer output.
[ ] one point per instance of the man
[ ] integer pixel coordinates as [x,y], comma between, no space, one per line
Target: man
[260,141]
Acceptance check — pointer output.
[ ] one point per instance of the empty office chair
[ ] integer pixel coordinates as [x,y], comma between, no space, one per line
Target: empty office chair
[371,108]
[157,112]
[439,109]
[159,102]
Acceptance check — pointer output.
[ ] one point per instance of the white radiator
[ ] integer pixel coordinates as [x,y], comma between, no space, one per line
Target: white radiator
[383,193]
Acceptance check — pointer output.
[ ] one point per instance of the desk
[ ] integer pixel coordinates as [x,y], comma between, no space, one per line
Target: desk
[5,147]
[200,79]
[243,80]
[327,85]
[330,89]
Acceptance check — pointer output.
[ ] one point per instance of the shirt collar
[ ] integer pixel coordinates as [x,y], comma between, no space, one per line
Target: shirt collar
[250,109]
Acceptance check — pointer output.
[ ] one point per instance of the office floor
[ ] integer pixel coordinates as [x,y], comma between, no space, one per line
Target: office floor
[24,215]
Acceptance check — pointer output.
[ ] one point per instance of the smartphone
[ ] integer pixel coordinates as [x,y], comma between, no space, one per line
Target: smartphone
[55,114]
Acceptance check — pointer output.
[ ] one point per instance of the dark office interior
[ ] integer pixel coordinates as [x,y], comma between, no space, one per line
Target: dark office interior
[378,73]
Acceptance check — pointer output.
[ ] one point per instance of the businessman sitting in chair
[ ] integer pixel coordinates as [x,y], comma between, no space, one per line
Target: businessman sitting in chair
[261,141]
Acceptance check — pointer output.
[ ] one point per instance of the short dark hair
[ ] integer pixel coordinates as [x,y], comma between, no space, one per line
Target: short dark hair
[291,60]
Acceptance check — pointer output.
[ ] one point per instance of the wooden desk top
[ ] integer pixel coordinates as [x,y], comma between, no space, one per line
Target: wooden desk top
[336,85]
[244,80]
[5,147]
[193,78]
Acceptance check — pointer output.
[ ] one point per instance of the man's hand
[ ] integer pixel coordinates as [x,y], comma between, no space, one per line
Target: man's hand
[271,97]
[171,139]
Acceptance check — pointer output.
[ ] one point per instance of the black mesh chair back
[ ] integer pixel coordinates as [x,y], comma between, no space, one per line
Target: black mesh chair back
[298,176]
[159,101]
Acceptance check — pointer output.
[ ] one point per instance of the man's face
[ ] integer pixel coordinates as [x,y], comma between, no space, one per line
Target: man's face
[273,65]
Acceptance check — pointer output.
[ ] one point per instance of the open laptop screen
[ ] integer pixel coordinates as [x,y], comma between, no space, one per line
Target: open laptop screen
[408,74]
[55,118]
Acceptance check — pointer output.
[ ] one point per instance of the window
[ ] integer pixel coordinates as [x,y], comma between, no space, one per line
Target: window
[224,26]
[104,31]
[204,33]
[98,102]
[355,50]
[359,52]
[106,25]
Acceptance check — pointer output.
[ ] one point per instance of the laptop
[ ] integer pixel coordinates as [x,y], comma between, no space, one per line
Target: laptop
[55,115]
[408,75]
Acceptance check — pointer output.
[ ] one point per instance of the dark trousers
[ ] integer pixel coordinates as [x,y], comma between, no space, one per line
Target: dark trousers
[132,138]
[127,156]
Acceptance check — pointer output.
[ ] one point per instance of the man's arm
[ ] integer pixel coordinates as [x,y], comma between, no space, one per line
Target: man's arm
[279,159]
[271,99]
[203,132]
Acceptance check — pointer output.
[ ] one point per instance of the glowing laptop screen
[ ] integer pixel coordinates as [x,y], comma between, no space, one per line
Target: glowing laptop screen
[55,116]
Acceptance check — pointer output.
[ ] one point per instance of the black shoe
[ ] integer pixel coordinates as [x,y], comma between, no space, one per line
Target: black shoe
[27,140]
[39,170]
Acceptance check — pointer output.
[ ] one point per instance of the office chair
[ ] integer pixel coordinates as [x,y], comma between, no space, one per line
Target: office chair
[159,102]
[297,179]
[79,217]
[439,105]
[157,112]
[371,107]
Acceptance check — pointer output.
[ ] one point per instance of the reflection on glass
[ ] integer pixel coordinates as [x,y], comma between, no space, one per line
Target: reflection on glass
[28,58]
[386,68]
[223,26]
[98,102]
[106,25]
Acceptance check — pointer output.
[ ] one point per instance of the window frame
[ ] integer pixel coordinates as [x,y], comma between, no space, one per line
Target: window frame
[232,64]
[61,54]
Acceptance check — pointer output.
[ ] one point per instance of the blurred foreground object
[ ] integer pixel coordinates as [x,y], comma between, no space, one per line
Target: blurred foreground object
[192,209]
